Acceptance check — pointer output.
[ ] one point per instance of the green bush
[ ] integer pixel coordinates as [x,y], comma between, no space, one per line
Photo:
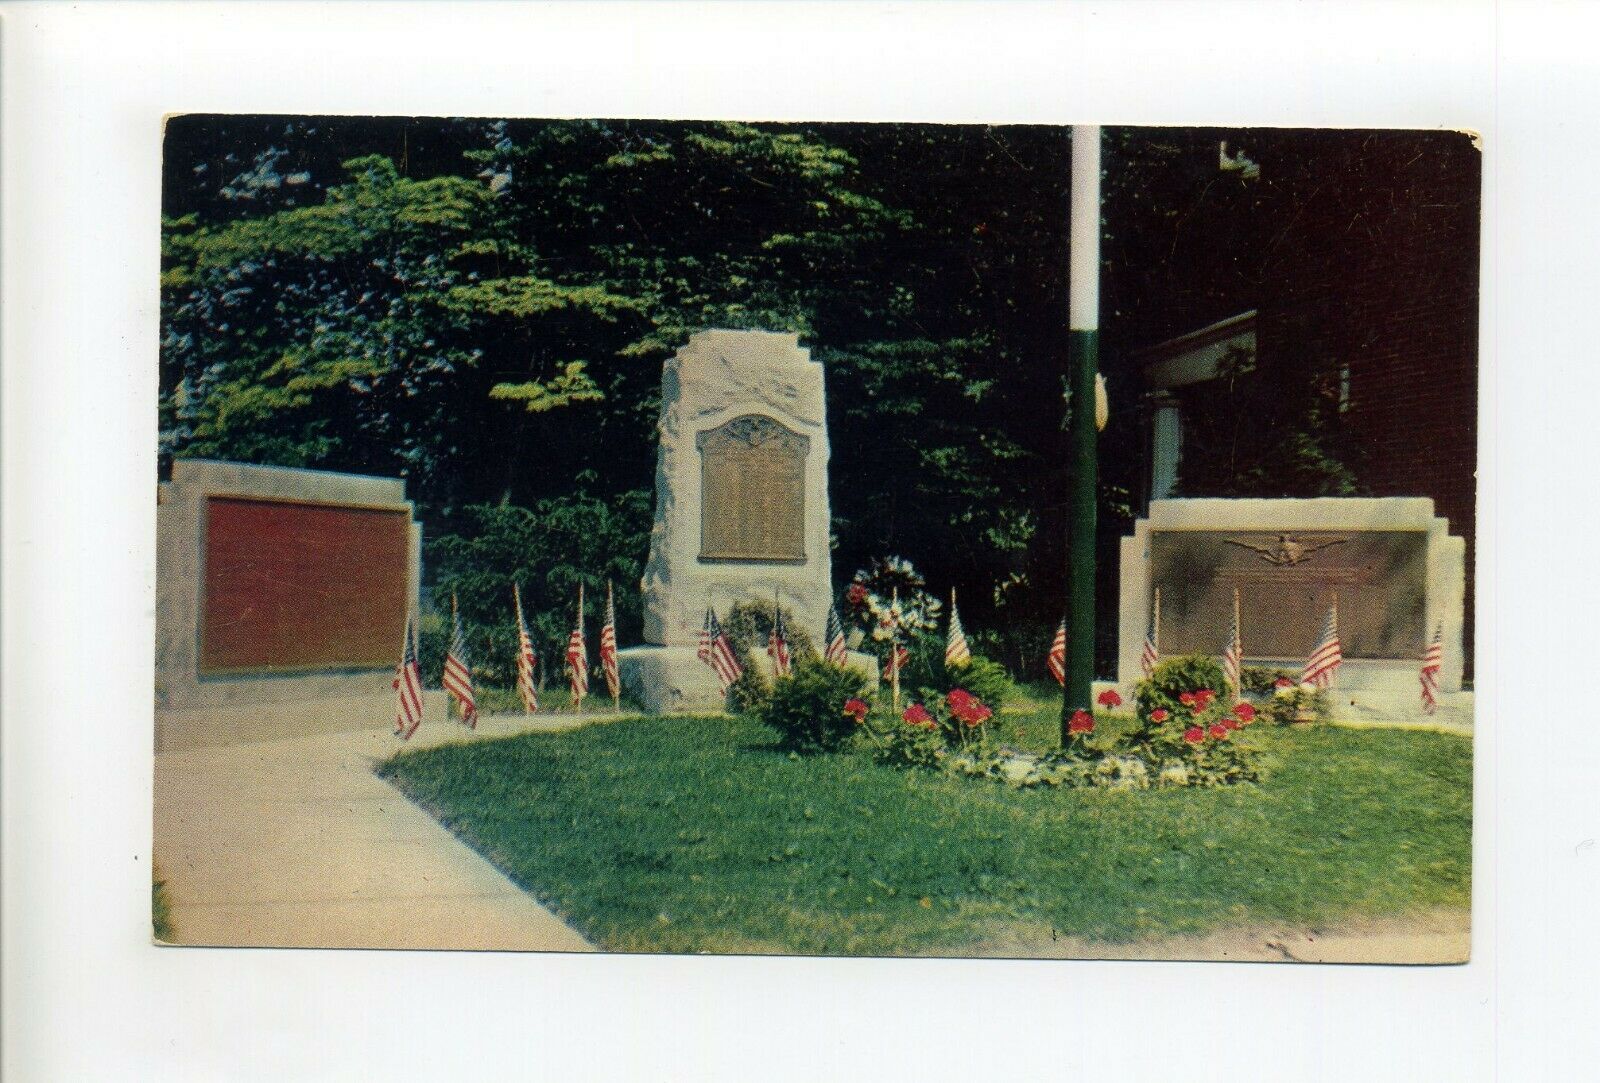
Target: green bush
[1176,676]
[1287,704]
[985,679]
[1260,681]
[807,708]
[547,550]
[925,669]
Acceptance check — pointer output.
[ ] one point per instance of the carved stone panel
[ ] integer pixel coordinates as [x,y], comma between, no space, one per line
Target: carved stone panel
[752,492]
[1285,583]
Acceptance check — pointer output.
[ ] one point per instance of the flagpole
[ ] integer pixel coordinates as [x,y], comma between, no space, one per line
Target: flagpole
[1083,347]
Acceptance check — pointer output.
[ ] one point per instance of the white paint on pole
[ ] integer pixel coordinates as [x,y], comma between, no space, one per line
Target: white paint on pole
[1084,260]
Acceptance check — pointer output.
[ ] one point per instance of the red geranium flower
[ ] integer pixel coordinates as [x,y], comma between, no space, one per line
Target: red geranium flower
[857,709]
[1219,731]
[1194,735]
[967,707]
[1283,682]
[1109,698]
[1159,715]
[1231,723]
[1204,696]
[1244,712]
[917,715]
[856,595]
[1082,722]
[1187,699]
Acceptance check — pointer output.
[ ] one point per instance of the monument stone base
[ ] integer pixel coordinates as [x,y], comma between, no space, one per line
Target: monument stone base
[673,679]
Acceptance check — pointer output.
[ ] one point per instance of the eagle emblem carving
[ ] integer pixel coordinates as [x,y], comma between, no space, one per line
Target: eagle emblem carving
[1288,550]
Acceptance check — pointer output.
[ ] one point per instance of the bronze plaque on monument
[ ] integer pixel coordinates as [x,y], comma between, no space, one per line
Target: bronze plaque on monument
[1285,583]
[302,587]
[752,492]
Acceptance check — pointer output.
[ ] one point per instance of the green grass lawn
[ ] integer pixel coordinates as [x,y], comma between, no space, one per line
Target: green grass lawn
[697,834]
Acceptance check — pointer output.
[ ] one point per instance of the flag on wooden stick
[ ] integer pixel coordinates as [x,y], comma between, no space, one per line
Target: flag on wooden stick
[408,687]
[608,650]
[1326,657]
[1233,653]
[526,690]
[836,650]
[578,658]
[1056,660]
[898,655]
[956,651]
[777,645]
[716,651]
[1432,663]
[458,669]
[1151,653]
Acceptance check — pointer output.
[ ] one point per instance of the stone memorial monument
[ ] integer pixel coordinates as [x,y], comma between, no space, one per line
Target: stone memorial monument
[741,506]
[281,601]
[1393,565]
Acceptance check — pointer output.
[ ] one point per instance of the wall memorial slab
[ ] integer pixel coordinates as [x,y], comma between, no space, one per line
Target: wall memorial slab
[1393,565]
[281,600]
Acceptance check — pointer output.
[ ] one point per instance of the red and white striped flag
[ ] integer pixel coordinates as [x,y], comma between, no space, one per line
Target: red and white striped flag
[1233,653]
[1432,663]
[956,651]
[836,650]
[716,651]
[895,664]
[1151,653]
[1326,657]
[1056,660]
[578,657]
[408,687]
[608,647]
[458,669]
[777,645]
[525,659]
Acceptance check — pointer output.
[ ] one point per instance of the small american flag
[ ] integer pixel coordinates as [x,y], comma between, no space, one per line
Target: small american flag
[578,657]
[1326,658]
[1233,653]
[956,651]
[1151,653]
[777,645]
[1056,660]
[525,659]
[408,687]
[458,670]
[896,662]
[716,651]
[608,647]
[835,651]
[1432,663]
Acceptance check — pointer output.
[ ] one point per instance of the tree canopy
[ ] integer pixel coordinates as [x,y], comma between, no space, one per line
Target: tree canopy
[483,307]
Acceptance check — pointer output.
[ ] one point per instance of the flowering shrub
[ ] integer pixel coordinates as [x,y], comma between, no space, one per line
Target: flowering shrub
[818,708]
[926,732]
[1187,723]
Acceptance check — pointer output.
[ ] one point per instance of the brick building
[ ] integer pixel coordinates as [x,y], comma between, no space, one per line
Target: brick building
[1370,286]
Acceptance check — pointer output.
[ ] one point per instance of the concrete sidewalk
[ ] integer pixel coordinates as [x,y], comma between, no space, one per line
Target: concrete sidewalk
[297,843]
